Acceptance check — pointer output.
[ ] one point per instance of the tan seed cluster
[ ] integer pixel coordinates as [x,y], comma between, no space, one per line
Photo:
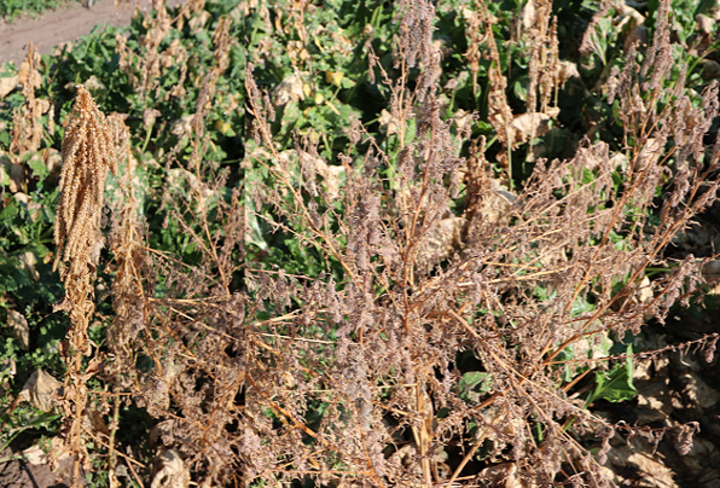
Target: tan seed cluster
[87,153]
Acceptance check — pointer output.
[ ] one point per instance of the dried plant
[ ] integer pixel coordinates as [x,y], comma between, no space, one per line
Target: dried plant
[27,131]
[128,287]
[421,284]
[499,112]
[88,155]
[354,373]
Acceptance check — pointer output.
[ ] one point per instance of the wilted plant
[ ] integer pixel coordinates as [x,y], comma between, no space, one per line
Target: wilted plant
[88,155]
[27,130]
[415,279]
[435,318]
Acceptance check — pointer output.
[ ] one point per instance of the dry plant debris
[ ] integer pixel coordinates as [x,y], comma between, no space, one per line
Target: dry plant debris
[377,280]
[41,390]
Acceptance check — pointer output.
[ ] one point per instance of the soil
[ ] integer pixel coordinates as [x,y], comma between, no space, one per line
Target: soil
[18,473]
[63,25]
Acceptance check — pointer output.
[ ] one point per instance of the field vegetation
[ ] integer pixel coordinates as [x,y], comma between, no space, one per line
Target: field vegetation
[345,244]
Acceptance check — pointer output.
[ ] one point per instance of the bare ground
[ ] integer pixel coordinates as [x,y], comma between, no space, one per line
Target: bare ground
[58,26]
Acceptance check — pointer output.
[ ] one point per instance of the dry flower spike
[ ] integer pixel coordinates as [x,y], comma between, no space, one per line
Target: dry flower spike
[88,154]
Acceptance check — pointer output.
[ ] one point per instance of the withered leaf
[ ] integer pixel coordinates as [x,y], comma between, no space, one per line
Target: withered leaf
[40,390]
[440,242]
[8,84]
[170,470]
[20,329]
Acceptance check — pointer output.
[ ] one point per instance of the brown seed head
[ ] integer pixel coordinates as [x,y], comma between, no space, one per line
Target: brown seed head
[88,154]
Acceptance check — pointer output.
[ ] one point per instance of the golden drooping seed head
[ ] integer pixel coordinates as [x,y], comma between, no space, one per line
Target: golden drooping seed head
[88,154]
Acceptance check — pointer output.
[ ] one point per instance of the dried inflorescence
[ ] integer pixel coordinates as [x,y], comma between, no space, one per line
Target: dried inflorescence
[88,155]
[27,129]
[423,284]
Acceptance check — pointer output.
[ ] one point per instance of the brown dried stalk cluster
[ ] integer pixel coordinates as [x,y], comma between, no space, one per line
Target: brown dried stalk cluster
[426,281]
[154,60]
[88,155]
[352,380]
[27,132]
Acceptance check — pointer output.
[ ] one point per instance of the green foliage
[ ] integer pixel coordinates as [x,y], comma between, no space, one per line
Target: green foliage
[11,9]
[616,384]
[474,385]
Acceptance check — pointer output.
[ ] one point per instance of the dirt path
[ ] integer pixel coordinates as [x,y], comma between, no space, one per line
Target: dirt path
[62,25]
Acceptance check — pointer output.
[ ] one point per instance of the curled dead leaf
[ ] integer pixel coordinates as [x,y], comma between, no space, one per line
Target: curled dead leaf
[34,455]
[528,15]
[645,290]
[439,243]
[28,260]
[639,35]
[29,76]
[93,84]
[51,158]
[647,467]
[503,476]
[711,274]
[198,21]
[182,127]
[8,367]
[94,422]
[57,453]
[628,18]
[705,24]
[63,47]
[528,126]
[149,116]
[639,293]
[290,89]
[463,120]
[8,84]
[330,174]
[161,431]
[698,392]
[19,328]
[567,70]
[710,68]
[496,204]
[170,470]
[649,153]
[16,173]
[388,123]
[41,390]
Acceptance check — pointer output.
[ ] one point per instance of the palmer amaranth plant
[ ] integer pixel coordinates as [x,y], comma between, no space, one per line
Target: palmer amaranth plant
[88,154]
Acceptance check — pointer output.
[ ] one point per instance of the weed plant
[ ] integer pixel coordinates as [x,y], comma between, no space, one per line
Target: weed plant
[449,299]
[374,245]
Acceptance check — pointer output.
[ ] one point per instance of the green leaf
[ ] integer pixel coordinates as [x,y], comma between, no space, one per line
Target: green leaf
[11,276]
[581,306]
[38,167]
[4,177]
[473,385]
[615,385]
